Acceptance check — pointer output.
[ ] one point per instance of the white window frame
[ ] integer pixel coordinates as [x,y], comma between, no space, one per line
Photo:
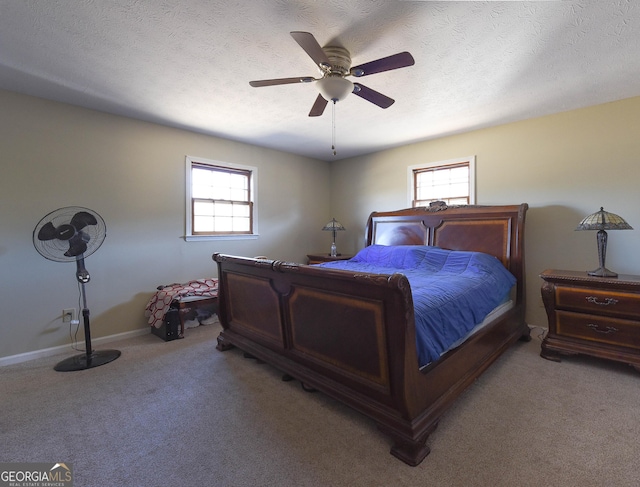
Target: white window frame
[471,160]
[189,236]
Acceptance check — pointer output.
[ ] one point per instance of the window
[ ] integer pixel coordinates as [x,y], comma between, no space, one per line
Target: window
[450,181]
[220,200]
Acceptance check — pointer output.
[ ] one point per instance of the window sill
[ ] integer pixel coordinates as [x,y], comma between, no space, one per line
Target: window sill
[204,238]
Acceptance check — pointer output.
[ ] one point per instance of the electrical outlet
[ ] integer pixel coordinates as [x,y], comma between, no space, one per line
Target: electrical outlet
[68,315]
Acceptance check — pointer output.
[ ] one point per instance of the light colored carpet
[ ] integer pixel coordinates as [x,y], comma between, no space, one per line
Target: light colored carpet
[182,413]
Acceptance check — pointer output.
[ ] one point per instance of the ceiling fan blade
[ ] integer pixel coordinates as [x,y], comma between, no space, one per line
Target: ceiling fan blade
[400,60]
[281,81]
[373,96]
[311,47]
[318,107]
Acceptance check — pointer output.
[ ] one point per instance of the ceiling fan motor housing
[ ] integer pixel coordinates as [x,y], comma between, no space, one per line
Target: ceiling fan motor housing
[339,59]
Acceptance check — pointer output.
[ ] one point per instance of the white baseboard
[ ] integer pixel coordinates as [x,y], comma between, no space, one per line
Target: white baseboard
[48,352]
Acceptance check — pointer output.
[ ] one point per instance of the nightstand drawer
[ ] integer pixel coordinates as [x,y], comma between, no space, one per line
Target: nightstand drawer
[615,331]
[609,302]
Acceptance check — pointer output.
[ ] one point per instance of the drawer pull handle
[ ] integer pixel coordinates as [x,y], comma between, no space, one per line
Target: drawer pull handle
[606,302]
[608,330]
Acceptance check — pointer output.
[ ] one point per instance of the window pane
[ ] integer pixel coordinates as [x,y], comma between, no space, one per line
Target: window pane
[201,183]
[459,189]
[224,224]
[238,194]
[202,224]
[222,209]
[241,211]
[241,224]
[221,199]
[238,181]
[220,193]
[460,174]
[449,183]
[203,208]
[458,201]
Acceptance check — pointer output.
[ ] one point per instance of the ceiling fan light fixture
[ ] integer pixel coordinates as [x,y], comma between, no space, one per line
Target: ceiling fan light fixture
[335,88]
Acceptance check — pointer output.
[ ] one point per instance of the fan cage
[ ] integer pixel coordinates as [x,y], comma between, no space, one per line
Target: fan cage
[55,249]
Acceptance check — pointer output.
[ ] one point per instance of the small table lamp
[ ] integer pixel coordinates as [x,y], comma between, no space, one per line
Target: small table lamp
[601,221]
[333,226]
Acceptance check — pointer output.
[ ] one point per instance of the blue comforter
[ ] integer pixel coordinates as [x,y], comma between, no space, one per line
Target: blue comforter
[452,291]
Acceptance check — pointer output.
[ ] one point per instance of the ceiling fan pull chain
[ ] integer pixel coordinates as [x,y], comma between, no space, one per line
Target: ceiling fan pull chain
[333,128]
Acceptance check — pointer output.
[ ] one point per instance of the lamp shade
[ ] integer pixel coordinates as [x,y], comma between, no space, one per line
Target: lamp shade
[334,88]
[603,221]
[334,226]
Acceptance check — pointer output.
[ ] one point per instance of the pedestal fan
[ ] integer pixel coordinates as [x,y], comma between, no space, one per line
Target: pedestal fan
[66,235]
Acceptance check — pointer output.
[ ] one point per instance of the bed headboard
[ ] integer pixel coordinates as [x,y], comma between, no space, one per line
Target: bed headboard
[494,230]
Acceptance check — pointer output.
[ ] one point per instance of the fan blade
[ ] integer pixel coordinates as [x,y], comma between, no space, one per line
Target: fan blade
[82,219]
[281,81]
[373,96]
[318,107]
[400,60]
[311,47]
[77,244]
[47,232]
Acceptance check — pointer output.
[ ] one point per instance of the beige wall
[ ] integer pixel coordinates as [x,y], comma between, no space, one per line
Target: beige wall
[132,173]
[564,166]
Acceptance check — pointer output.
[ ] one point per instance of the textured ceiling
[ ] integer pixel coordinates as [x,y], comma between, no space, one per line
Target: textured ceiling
[188,63]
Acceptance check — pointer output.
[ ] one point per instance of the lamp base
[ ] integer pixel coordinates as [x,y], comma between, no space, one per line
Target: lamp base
[602,272]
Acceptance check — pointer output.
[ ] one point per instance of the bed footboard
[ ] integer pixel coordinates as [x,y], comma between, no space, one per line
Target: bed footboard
[348,335]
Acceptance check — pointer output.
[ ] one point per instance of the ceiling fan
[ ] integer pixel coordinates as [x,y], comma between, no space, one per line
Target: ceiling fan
[334,63]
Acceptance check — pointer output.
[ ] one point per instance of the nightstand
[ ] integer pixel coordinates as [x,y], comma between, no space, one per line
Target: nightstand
[597,316]
[319,258]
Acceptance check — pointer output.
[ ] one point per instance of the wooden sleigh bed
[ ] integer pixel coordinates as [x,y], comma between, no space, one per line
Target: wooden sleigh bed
[352,335]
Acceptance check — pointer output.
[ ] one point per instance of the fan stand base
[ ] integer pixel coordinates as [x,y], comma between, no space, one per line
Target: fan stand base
[87,361]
